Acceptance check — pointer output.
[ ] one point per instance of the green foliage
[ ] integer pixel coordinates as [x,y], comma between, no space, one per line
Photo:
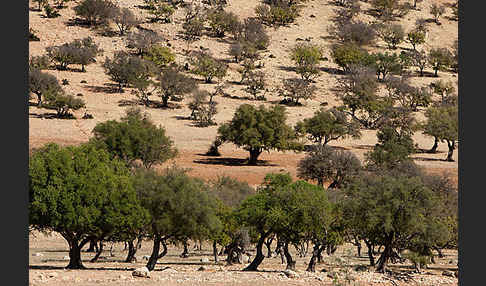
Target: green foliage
[391,34]
[353,32]
[347,55]
[80,51]
[41,3]
[202,109]
[43,85]
[221,22]
[416,37]
[400,90]
[419,60]
[306,58]
[231,191]
[443,124]
[277,15]
[207,66]
[295,89]
[171,83]
[389,9]
[436,11]
[255,84]
[328,125]
[51,12]
[440,59]
[385,64]
[257,130]
[39,62]
[161,11]
[161,56]
[396,212]
[96,12]
[64,103]
[126,69]
[33,36]
[79,192]
[135,137]
[325,164]
[194,20]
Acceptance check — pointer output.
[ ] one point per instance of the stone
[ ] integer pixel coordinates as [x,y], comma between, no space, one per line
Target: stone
[291,274]
[205,260]
[169,270]
[38,254]
[52,275]
[245,258]
[324,270]
[141,272]
[312,16]
[361,268]
[202,268]
[146,257]
[448,273]
[66,257]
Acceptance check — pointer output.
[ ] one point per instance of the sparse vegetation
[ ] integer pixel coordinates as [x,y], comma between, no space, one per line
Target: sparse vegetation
[96,12]
[306,58]
[207,66]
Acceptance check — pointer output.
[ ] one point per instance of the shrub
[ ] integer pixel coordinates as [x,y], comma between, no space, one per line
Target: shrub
[221,22]
[50,11]
[385,64]
[202,109]
[347,55]
[391,34]
[143,40]
[43,85]
[399,89]
[389,9]
[159,55]
[161,11]
[171,82]
[296,89]
[277,15]
[306,58]
[125,20]
[419,60]
[436,11]
[328,125]
[443,124]
[263,130]
[96,12]
[194,19]
[63,104]
[207,66]
[439,59]
[255,84]
[348,12]
[33,36]
[354,32]
[39,62]
[41,3]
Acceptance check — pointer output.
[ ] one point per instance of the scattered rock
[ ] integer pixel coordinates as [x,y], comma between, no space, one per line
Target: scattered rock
[299,39]
[448,273]
[83,81]
[66,257]
[324,270]
[122,277]
[52,275]
[312,16]
[141,272]
[205,259]
[38,254]
[360,268]
[169,270]
[202,268]
[333,275]
[319,278]
[79,94]
[146,257]
[245,258]
[271,56]
[291,274]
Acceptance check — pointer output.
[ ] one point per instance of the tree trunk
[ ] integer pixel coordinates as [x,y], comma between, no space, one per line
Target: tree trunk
[439,252]
[386,254]
[259,254]
[311,267]
[39,100]
[132,250]
[434,147]
[75,254]
[268,244]
[254,153]
[98,253]
[320,182]
[185,253]
[370,252]
[358,245]
[290,261]
[452,146]
[165,101]
[215,251]
[92,246]
[155,255]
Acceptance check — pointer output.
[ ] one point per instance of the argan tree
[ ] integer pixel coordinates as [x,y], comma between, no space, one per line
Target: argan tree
[80,51]
[143,40]
[443,124]
[222,22]
[96,12]
[419,60]
[125,20]
[348,55]
[79,192]
[295,89]
[43,85]
[171,82]
[353,32]
[180,207]
[395,212]
[160,55]
[259,129]
[328,125]
[416,37]
[436,11]
[306,58]
[391,34]
[64,103]
[439,59]
[325,164]
[255,83]
[207,66]
[135,137]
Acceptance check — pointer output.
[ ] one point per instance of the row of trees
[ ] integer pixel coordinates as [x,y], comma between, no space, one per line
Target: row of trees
[88,193]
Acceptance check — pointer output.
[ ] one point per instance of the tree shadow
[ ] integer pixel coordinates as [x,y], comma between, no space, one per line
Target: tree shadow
[225,161]
[364,147]
[49,115]
[107,88]
[428,159]
[129,102]
[50,267]
[286,68]
[333,71]
[77,22]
